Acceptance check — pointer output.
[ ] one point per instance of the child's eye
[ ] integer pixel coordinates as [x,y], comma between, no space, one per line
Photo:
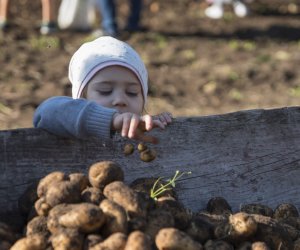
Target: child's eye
[101,92]
[132,94]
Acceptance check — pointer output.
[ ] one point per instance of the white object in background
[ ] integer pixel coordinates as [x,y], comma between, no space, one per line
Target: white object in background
[216,10]
[76,14]
[240,9]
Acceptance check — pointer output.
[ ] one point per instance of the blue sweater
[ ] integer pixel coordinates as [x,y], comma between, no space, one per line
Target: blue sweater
[74,118]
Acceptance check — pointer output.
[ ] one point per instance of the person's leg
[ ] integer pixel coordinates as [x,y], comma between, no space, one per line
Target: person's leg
[3,13]
[108,13]
[48,17]
[135,15]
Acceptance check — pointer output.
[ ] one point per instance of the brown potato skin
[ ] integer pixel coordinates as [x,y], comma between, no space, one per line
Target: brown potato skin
[126,197]
[92,195]
[138,240]
[148,155]
[116,241]
[67,239]
[85,217]
[37,225]
[44,183]
[128,149]
[79,179]
[31,242]
[104,172]
[116,218]
[172,238]
[257,209]
[217,245]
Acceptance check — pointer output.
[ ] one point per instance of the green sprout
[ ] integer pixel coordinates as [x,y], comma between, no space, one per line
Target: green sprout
[156,191]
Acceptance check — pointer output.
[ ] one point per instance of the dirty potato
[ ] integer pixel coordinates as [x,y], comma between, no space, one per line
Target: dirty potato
[67,239]
[92,240]
[126,197]
[116,218]
[158,219]
[41,207]
[45,182]
[31,242]
[92,195]
[218,205]
[285,210]
[137,240]
[172,238]
[116,241]
[199,230]
[85,217]
[128,149]
[148,155]
[37,225]
[79,179]
[257,209]
[105,172]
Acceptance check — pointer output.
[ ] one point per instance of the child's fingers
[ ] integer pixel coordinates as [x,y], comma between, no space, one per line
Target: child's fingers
[133,126]
[147,119]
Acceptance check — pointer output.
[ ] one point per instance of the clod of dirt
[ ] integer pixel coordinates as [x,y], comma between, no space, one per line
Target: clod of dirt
[128,149]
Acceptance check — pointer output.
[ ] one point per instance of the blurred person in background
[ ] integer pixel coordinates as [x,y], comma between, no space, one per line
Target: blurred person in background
[48,16]
[216,10]
[108,11]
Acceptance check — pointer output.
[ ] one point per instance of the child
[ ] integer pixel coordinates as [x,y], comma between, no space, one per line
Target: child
[48,17]
[216,10]
[109,89]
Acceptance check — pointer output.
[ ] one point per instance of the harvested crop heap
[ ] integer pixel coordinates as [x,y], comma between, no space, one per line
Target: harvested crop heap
[100,211]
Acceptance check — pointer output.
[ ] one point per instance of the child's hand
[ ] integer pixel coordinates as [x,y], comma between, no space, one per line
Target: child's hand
[134,126]
[165,117]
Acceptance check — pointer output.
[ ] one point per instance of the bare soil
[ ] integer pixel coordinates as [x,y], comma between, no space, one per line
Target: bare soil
[197,66]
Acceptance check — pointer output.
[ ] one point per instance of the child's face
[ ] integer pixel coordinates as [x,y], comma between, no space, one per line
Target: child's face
[116,87]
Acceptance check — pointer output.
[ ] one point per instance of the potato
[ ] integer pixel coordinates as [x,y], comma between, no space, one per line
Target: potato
[105,172]
[181,215]
[218,205]
[31,242]
[123,195]
[142,147]
[67,239]
[92,195]
[85,217]
[257,209]
[240,227]
[79,179]
[116,241]
[92,240]
[174,239]
[137,224]
[49,179]
[217,245]
[148,155]
[259,246]
[199,230]
[158,219]
[37,225]
[128,149]
[285,210]
[137,240]
[272,233]
[42,208]
[62,192]
[116,218]
[212,219]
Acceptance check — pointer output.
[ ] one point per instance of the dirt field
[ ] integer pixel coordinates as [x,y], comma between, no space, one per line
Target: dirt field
[197,66]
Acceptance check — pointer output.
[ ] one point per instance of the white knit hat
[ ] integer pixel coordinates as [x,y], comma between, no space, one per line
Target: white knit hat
[100,53]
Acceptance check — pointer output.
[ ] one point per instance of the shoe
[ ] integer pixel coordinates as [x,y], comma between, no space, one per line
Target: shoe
[3,25]
[240,9]
[214,11]
[48,28]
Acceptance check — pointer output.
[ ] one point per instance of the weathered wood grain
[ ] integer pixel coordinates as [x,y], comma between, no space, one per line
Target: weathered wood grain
[246,157]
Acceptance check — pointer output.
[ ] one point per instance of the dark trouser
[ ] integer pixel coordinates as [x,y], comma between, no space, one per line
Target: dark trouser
[108,13]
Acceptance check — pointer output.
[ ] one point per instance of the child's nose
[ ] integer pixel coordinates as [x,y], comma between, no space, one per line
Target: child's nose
[119,100]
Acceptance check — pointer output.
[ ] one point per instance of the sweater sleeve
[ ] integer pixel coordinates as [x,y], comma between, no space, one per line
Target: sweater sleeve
[74,118]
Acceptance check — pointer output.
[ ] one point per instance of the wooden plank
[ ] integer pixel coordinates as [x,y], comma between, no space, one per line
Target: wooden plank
[246,157]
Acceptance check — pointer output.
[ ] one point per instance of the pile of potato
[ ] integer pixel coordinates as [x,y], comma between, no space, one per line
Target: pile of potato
[101,212]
